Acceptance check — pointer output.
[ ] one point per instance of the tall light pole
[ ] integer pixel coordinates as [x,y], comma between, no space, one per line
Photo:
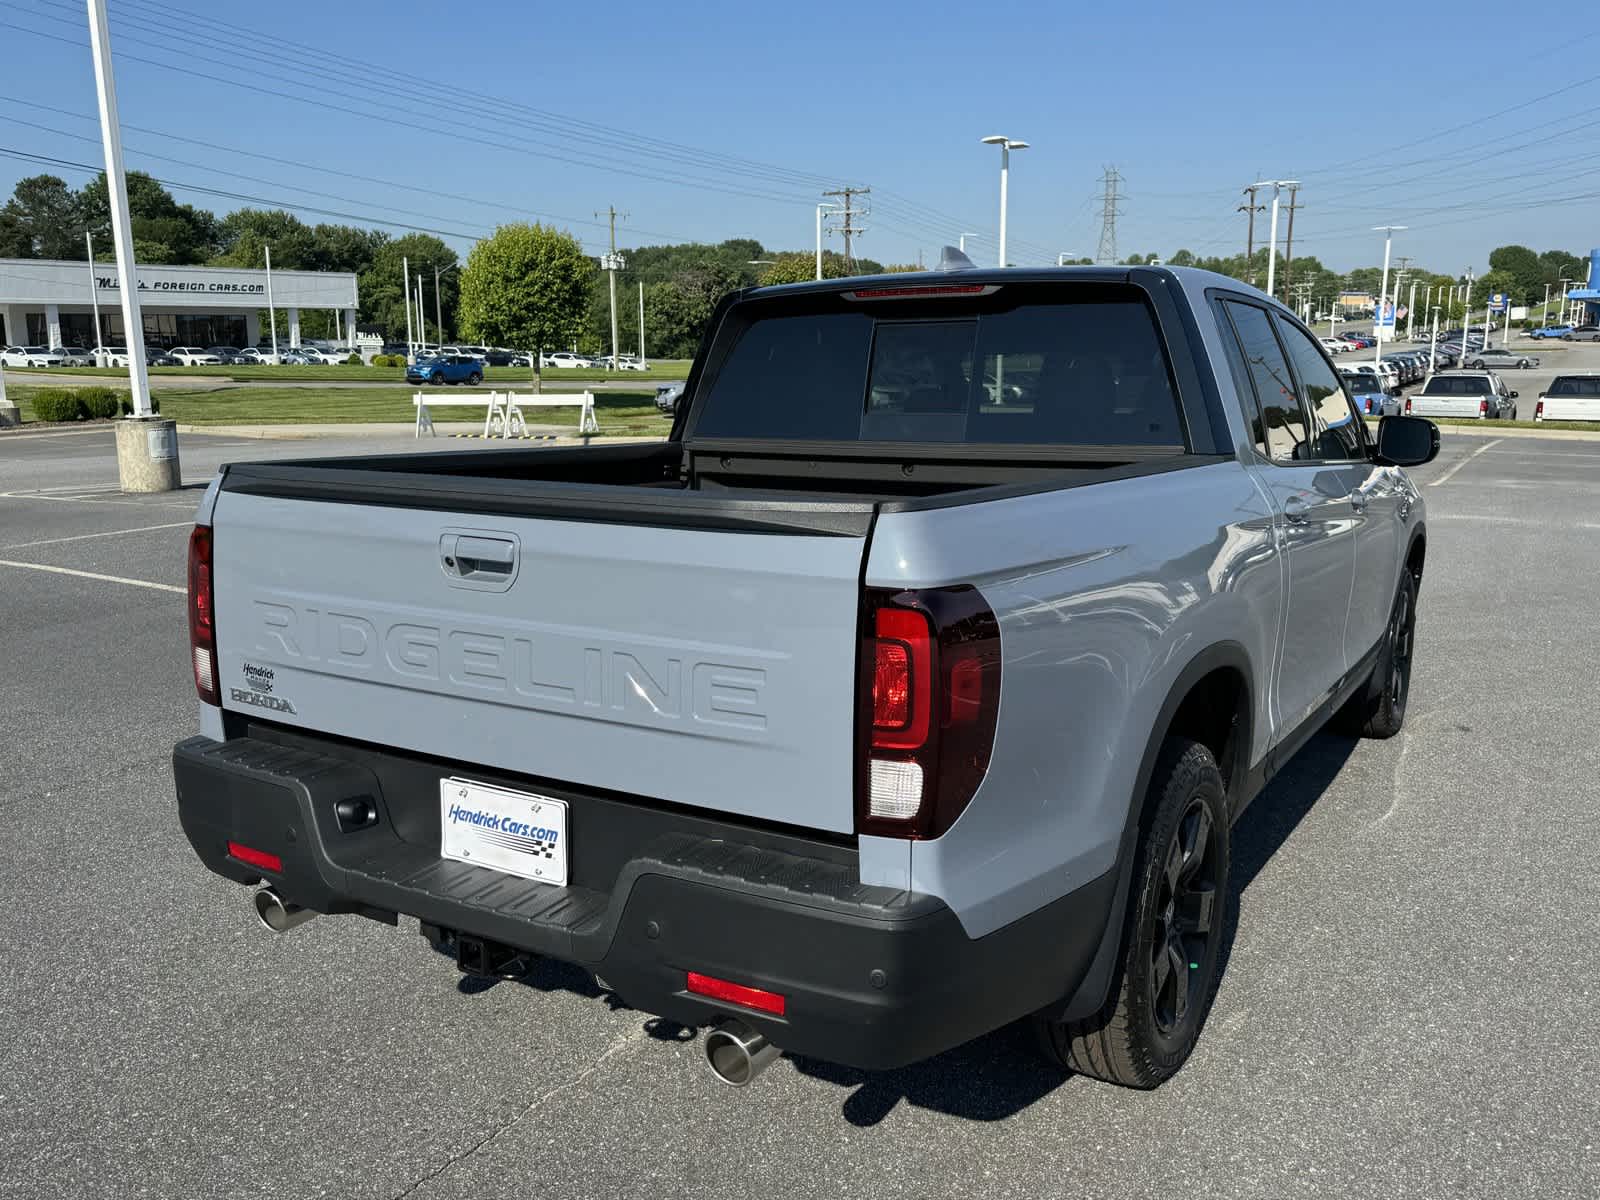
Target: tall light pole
[1433,348]
[822,208]
[642,358]
[94,299]
[1388,232]
[272,315]
[117,192]
[1272,245]
[961,243]
[1007,145]
[405,290]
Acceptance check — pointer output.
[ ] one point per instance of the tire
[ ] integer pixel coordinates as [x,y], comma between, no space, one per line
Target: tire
[1477,366]
[474,379]
[1382,715]
[1524,365]
[1566,337]
[437,379]
[1172,937]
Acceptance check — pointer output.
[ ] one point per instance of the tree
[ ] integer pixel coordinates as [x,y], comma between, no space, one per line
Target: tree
[43,219]
[1523,268]
[796,267]
[245,233]
[526,287]
[169,231]
[383,290]
[1182,258]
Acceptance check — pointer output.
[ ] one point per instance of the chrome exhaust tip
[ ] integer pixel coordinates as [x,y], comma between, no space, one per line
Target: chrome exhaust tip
[277,914]
[737,1053]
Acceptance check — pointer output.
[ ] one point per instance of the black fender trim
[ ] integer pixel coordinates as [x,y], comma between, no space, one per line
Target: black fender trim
[1091,993]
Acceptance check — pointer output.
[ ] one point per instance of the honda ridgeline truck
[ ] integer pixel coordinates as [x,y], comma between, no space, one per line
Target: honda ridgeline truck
[910,687]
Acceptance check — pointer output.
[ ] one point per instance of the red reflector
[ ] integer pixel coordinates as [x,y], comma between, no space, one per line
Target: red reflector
[256,858]
[891,686]
[930,289]
[736,993]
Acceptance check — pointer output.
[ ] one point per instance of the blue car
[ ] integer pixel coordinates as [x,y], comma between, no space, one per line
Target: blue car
[440,369]
[1551,331]
[1370,398]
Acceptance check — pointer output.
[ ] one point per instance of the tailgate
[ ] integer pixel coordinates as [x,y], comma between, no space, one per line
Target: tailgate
[1446,406]
[706,667]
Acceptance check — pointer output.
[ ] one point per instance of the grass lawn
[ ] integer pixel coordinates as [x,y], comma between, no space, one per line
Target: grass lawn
[666,368]
[631,413]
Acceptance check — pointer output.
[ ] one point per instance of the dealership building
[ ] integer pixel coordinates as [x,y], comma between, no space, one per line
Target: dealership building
[44,302]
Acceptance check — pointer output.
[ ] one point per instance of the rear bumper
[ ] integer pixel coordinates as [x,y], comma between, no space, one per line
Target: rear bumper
[872,977]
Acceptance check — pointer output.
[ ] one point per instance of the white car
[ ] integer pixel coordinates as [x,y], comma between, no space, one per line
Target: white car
[1570,398]
[74,356]
[110,356]
[32,356]
[564,358]
[630,362]
[322,358]
[194,356]
[1334,345]
[258,356]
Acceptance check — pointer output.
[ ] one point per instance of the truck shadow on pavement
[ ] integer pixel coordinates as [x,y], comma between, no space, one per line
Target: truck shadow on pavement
[1000,1074]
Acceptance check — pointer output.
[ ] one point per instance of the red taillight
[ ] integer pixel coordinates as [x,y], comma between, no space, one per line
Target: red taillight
[1408,404]
[1483,408]
[736,993]
[256,858]
[1538,411]
[202,616]
[931,697]
[921,291]
[902,679]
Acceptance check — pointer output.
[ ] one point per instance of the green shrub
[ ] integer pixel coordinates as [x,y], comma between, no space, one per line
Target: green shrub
[353,361]
[125,404]
[57,404]
[100,402]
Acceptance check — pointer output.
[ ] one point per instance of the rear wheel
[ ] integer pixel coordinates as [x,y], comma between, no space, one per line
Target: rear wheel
[437,379]
[1378,710]
[1172,937]
[474,379]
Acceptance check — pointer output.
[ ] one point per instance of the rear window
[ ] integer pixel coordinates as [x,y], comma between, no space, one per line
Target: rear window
[1568,386]
[1461,385]
[1008,368]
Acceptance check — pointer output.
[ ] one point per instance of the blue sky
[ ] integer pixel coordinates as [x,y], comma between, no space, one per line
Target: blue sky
[498,111]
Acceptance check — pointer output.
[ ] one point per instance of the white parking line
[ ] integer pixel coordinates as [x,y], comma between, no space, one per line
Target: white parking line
[1446,476]
[78,537]
[144,583]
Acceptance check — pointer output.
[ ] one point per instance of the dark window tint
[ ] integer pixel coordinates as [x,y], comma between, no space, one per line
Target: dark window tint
[1458,385]
[1075,373]
[1241,380]
[1338,429]
[1284,419]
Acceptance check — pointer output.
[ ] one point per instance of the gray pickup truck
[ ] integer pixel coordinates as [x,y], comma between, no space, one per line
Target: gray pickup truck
[911,687]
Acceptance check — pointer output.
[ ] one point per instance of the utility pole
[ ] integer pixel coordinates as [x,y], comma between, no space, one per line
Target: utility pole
[1109,212]
[1250,206]
[642,358]
[1288,243]
[405,288]
[612,262]
[851,229]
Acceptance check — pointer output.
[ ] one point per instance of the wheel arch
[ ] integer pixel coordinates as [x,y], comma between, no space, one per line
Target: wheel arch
[1213,701]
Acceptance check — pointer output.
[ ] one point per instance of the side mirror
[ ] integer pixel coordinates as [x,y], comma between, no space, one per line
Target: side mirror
[1407,441]
[1513,395]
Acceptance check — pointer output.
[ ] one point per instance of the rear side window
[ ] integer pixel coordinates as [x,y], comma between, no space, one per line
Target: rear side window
[1283,418]
[1568,386]
[1018,371]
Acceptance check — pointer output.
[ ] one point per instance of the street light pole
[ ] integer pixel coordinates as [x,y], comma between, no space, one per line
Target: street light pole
[117,192]
[405,291]
[94,299]
[1007,145]
[1433,348]
[1388,232]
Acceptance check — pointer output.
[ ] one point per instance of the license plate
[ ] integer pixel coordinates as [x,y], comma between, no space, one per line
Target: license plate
[515,832]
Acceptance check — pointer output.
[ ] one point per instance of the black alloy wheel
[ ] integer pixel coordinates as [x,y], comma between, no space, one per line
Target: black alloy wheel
[1185,920]
[1401,633]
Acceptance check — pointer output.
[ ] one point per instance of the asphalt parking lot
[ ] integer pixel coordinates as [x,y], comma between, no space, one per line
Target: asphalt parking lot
[1406,1010]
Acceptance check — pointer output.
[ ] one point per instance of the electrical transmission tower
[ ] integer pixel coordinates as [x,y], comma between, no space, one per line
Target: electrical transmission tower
[1109,212]
[851,219]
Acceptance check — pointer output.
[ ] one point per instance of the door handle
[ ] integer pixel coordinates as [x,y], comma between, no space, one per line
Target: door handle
[1296,510]
[1359,500]
[474,561]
